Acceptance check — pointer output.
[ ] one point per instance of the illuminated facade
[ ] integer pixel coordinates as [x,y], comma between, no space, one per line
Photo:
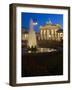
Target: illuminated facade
[51,32]
[24,35]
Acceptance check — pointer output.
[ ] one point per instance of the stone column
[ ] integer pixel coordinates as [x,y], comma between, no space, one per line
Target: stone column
[47,34]
[41,34]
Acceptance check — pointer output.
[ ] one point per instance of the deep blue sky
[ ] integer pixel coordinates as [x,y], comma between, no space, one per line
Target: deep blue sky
[41,19]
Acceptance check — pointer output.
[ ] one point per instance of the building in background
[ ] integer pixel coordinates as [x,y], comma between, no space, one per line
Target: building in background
[51,31]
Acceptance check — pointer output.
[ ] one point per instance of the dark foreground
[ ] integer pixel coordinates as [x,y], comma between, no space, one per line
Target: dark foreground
[42,64]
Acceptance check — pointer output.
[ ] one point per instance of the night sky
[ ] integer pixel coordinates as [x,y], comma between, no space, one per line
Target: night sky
[41,19]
